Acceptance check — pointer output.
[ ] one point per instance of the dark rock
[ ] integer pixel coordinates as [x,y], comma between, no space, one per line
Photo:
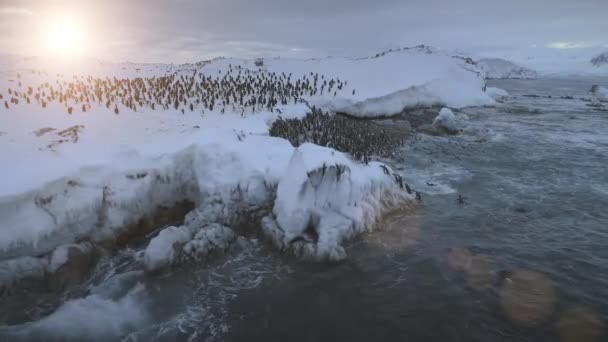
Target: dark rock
[80,261]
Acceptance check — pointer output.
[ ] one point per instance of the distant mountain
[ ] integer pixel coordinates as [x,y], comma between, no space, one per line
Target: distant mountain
[501,68]
[600,60]
[553,61]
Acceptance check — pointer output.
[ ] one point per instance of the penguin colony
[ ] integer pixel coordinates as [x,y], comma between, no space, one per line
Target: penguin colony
[237,90]
[360,138]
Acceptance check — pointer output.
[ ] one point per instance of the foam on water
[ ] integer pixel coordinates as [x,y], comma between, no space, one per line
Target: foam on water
[93,317]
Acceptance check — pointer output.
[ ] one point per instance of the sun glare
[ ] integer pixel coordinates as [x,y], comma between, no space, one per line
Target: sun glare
[65,37]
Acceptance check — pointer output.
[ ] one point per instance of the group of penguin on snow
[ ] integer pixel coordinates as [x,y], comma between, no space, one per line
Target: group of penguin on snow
[236,89]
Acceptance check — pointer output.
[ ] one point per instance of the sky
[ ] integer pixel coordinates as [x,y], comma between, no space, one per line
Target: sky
[191,30]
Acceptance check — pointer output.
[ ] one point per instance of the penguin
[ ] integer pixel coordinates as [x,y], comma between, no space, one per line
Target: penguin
[385,169]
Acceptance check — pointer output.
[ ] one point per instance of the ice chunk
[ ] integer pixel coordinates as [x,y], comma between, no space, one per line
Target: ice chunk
[497,94]
[291,213]
[324,199]
[161,251]
[446,121]
[59,257]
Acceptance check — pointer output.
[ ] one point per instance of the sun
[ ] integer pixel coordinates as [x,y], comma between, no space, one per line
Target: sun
[65,37]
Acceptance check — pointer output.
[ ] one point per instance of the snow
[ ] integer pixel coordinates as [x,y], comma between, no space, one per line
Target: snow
[59,257]
[385,85]
[403,79]
[501,69]
[446,120]
[345,203]
[497,94]
[164,249]
[92,176]
[161,250]
[324,199]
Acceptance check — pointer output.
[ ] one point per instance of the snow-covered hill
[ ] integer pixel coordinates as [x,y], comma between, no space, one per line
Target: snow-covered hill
[496,68]
[89,150]
[378,86]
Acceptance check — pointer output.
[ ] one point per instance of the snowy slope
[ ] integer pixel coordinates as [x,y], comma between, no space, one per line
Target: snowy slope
[375,86]
[31,136]
[78,169]
[496,68]
[387,84]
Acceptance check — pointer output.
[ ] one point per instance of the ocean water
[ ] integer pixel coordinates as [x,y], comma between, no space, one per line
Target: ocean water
[524,258]
[510,244]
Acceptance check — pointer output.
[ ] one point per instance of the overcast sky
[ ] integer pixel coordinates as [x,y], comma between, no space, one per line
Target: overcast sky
[190,30]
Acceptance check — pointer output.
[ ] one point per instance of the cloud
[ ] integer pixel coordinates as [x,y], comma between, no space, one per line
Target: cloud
[16,11]
[570,45]
[172,30]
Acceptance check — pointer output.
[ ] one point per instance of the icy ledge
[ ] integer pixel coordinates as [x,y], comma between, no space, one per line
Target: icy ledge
[309,199]
[319,205]
[322,199]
